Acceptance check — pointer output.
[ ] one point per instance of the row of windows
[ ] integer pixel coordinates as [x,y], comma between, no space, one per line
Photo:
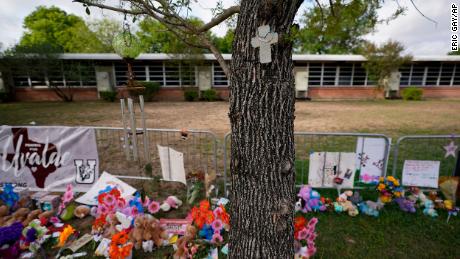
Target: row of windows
[77,74]
[82,73]
[166,74]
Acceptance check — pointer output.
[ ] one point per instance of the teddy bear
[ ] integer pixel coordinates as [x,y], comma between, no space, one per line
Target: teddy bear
[355,198]
[309,200]
[155,232]
[81,211]
[137,233]
[19,215]
[182,251]
[437,201]
[429,209]
[405,205]
[31,216]
[365,209]
[350,208]
[171,202]
[110,227]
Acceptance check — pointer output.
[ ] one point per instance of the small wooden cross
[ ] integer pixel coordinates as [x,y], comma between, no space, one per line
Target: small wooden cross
[263,40]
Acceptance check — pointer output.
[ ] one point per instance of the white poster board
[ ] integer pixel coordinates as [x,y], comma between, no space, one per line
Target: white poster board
[106,180]
[172,164]
[370,158]
[421,173]
[325,166]
[48,158]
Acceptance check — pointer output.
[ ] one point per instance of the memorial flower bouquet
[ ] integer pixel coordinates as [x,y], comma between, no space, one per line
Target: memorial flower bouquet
[120,248]
[305,235]
[389,188]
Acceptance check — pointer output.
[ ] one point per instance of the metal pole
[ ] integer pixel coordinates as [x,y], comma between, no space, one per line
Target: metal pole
[144,130]
[133,128]
[125,130]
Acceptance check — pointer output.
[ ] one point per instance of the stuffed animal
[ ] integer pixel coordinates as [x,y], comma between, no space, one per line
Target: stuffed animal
[18,215]
[327,203]
[110,227]
[438,202]
[4,211]
[153,231]
[47,214]
[344,196]
[81,211]
[136,235]
[31,216]
[171,202]
[429,209]
[375,205]
[350,208]
[337,207]
[417,195]
[365,209]
[182,243]
[405,205]
[310,200]
[355,198]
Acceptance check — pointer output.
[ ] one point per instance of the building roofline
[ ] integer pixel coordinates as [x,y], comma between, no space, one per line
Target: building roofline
[295,57]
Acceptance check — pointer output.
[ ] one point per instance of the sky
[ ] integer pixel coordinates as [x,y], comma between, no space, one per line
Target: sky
[419,35]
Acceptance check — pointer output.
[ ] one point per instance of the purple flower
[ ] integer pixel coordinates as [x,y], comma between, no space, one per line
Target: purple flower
[31,235]
[10,234]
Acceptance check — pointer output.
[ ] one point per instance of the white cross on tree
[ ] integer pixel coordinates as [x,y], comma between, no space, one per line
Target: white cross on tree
[264,40]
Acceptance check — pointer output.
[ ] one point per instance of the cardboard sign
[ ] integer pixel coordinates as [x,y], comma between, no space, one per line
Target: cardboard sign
[48,158]
[421,173]
[325,167]
[175,226]
[370,158]
[106,180]
[172,164]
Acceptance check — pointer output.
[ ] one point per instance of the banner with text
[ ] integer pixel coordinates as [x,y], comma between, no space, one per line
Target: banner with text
[48,157]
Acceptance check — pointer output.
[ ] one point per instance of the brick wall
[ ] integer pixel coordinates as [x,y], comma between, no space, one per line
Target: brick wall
[45,94]
[440,91]
[344,92]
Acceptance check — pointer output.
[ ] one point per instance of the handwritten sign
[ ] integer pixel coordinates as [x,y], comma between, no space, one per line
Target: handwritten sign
[421,173]
[175,226]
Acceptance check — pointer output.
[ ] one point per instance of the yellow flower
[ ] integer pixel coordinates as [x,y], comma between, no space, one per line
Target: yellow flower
[381,187]
[391,178]
[68,230]
[397,194]
[396,183]
[385,199]
[381,179]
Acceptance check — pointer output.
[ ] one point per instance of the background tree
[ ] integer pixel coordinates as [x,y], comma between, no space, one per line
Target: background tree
[340,28]
[105,31]
[383,60]
[64,32]
[224,44]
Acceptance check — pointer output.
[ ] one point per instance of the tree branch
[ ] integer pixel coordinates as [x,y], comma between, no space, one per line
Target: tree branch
[108,7]
[420,12]
[220,18]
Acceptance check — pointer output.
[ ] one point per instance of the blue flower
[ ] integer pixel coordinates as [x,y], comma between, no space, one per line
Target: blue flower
[206,232]
[136,202]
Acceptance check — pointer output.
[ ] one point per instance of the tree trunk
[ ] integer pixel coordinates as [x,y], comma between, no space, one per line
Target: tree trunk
[262,100]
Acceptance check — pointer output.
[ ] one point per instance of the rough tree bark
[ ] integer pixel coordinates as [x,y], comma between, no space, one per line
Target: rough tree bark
[262,100]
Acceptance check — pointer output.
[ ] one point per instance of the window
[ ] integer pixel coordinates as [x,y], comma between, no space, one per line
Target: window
[432,73]
[156,72]
[187,73]
[219,78]
[314,73]
[346,73]
[405,73]
[121,73]
[87,73]
[329,73]
[418,72]
[172,74]
[359,75]
[447,71]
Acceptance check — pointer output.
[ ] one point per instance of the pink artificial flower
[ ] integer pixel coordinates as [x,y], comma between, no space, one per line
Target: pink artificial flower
[217,225]
[217,211]
[312,223]
[154,207]
[217,238]
[109,200]
[311,251]
[121,204]
[54,220]
[68,196]
[103,209]
[311,237]
[303,233]
[69,188]
[146,202]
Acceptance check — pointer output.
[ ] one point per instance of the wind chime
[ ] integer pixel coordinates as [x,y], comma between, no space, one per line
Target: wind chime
[128,47]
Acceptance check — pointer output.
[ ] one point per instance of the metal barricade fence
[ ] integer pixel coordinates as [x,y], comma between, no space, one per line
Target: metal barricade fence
[199,149]
[424,147]
[308,142]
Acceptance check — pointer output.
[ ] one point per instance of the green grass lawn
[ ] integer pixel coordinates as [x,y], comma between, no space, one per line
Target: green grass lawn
[394,234]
